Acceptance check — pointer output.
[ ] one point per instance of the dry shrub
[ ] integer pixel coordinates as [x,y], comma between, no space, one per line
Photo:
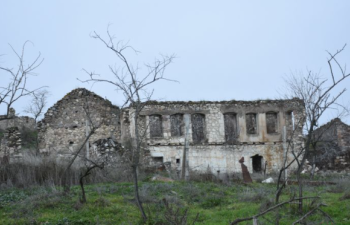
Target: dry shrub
[345,196]
[42,199]
[266,204]
[31,172]
[39,170]
[177,215]
[341,186]
[102,202]
[254,195]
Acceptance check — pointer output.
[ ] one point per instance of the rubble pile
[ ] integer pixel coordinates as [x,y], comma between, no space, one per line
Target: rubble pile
[104,146]
[308,168]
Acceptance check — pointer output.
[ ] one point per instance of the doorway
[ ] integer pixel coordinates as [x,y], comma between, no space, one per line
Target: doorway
[257,163]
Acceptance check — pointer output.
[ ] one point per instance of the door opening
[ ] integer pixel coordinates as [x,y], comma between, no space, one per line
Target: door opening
[257,163]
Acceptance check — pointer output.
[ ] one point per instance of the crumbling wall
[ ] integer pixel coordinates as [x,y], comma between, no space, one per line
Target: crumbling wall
[343,133]
[64,126]
[10,145]
[215,149]
[20,122]
[10,135]
[332,150]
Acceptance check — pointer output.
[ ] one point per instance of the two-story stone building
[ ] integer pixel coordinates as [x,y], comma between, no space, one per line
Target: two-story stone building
[220,133]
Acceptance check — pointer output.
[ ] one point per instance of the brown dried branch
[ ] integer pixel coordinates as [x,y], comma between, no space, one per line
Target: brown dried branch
[17,86]
[269,210]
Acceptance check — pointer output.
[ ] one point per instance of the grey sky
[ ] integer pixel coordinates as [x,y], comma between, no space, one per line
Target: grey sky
[225,49]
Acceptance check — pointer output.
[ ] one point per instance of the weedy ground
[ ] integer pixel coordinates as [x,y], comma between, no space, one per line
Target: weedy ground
[215,203]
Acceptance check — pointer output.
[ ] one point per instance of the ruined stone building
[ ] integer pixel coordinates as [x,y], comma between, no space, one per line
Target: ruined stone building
[64,126]
[218,133]
[332,146]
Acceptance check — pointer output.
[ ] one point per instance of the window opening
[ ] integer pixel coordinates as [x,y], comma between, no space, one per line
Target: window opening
[230,120]
[155,126]
[198,127]
[290,124]
[271,122]
[251,123]
[158,159]
[176,125]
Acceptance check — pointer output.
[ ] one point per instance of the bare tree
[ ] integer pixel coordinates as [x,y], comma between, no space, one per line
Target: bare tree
[36,109]
[90,165]
[16,88]
[319,95]
[37,105]
[134,88]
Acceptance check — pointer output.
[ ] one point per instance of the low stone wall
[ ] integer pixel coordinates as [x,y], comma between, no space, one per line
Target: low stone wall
[18,121]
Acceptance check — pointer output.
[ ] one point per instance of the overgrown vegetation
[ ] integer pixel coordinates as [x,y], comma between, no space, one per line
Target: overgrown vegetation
[165,203]
[45,170]
[29,138]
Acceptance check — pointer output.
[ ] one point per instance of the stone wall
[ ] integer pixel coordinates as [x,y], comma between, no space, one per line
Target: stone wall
[10,138]
[10,145]
[18,121]
[214,150]
[333,146]
[64,126]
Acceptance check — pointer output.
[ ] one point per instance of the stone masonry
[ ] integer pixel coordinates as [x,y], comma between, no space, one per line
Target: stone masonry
[64,126]
[333,146]
[10,142]
[220,133]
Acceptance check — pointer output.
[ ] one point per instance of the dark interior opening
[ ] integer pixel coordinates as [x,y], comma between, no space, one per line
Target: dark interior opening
[257,163]
[177,161]
[158,159]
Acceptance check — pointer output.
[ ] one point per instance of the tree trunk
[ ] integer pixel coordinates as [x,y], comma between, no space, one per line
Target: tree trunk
[137,197]
[136,162]
[81,182]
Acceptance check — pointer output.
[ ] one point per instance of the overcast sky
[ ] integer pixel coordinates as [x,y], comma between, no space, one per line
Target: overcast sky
[225,49]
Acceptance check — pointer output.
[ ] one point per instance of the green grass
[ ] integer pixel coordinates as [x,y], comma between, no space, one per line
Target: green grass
[113,203]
